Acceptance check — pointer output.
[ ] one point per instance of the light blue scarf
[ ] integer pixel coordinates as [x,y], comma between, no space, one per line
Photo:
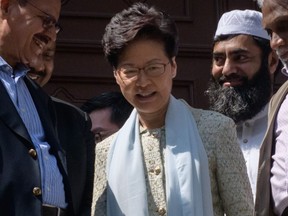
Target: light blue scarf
[186,168]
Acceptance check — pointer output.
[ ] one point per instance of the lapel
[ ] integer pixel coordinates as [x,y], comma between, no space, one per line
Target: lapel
[267,145]
[263,202]
[277,100]
[10,116]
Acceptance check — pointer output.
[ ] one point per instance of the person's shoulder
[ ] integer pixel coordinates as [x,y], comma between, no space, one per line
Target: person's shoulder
[283,88]
[104,145]
[203,116]
[279,96]
[60,102]
[281,91]
[209,117]
[66,107]
[102,149]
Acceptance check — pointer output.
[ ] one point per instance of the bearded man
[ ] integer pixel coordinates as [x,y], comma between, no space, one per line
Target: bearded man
[243,68]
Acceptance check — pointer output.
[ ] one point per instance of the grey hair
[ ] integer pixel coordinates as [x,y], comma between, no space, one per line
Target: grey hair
[260,3]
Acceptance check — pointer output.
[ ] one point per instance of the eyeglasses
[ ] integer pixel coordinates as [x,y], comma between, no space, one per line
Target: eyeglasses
[47,21]
[151,70]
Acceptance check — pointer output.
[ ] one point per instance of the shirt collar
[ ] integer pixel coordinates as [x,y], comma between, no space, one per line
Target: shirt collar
[263,113]
[5,67]
[19,70]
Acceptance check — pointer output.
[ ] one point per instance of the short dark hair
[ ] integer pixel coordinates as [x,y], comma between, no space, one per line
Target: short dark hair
[120,107]
[137,22]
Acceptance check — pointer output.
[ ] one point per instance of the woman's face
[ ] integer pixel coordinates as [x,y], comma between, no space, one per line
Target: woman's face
[149,88]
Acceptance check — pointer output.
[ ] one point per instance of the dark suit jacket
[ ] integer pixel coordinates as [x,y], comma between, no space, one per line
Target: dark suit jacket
[263,202]
[67,130]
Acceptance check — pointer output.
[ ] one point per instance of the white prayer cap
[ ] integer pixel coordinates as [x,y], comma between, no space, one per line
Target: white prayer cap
[241,22]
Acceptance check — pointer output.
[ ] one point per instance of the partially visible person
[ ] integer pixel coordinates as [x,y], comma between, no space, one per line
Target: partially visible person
[168,158]
[108,112]
[273,162]
[241,84]
[42,72]
[46,146]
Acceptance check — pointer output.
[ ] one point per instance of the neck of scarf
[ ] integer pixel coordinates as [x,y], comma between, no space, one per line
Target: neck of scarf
[188,190]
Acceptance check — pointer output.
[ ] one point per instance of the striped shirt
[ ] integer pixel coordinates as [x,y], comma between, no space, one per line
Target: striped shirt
[51,178]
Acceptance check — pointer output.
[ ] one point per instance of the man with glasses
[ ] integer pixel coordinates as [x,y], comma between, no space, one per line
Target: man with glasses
[48,21]
[45,165]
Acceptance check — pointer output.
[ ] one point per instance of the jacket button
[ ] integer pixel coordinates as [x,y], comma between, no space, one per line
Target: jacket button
[33,153]
[161,211]
[37,191]
[157,170]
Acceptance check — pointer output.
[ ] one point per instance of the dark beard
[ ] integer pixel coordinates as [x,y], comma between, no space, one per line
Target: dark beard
[242,102]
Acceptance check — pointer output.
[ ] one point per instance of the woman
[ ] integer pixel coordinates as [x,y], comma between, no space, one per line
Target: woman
[157,163]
